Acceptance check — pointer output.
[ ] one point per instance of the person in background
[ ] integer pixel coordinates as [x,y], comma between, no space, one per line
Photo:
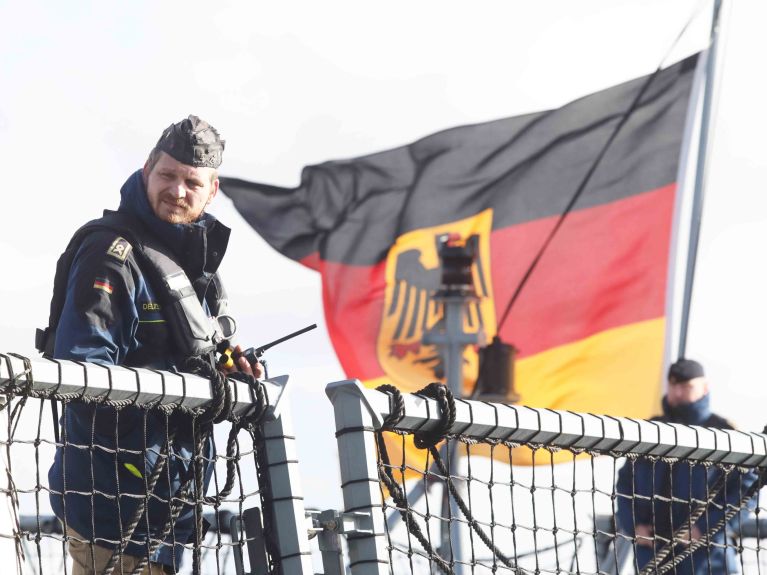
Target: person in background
[655,497]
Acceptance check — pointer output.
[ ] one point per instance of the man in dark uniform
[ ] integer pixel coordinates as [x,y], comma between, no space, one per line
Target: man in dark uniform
[139,288]
[655,498]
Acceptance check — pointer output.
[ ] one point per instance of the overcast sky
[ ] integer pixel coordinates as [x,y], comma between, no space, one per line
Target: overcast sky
[87,87]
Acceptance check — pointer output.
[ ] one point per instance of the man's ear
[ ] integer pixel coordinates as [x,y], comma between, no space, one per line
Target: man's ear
[145,172]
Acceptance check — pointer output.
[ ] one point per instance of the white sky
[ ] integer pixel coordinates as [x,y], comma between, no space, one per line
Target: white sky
[87,87]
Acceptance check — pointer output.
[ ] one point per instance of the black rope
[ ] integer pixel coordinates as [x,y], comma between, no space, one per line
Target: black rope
[429,440]
[396,406]
[467,512]
[213,412]
[387,477]
[139,512]
[219,410]
[444,397]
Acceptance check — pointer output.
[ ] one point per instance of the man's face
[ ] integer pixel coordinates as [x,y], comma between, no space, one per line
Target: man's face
[686,392]
[179,193]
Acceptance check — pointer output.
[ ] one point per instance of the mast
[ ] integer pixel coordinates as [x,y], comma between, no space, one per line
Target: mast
[701,172]
[455,294]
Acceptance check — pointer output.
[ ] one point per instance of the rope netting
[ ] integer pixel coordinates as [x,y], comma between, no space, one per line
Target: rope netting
[139,470]
[637,509]
[111,480]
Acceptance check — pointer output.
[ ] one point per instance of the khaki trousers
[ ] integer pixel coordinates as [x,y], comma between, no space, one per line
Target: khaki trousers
[85,556]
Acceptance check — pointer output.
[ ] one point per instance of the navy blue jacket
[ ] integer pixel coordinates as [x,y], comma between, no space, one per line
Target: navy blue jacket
[111,316]
[659,494]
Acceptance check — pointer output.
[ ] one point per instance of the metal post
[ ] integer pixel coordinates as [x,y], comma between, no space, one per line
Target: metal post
[329,525]
[357,417]
[456,293]
[701,172]
[329,541]
[451,338]
[287,501]
[251,526]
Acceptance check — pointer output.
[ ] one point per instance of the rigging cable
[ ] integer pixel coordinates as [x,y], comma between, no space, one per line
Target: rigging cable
[587,178]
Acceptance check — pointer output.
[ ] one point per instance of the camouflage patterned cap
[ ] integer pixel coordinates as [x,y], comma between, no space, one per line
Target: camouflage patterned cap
[193,142]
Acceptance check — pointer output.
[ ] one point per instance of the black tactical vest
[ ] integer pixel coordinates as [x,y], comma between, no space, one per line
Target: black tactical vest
[190,330]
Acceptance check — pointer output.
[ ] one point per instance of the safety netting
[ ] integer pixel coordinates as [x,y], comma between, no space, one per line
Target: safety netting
[475,487]
[118,470]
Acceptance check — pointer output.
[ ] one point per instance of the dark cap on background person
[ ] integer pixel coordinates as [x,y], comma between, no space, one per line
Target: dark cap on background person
[194,142]
[684,370]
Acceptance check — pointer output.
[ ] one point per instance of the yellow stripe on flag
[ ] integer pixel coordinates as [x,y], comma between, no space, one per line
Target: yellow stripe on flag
[615,372]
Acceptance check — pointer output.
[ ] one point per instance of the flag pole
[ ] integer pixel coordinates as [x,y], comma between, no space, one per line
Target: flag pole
[701,172]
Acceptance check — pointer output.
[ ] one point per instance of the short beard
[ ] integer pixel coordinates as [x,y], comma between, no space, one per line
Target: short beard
[179,219]
[184,217]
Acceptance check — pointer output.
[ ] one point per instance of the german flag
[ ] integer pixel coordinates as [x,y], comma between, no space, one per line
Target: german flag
[589,325]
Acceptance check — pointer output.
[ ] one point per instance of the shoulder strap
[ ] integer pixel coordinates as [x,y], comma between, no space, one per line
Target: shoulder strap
[120,248]
[216,297]
[193,332]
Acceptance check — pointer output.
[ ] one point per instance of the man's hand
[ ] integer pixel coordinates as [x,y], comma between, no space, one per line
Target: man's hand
[254,369]
[644,535]
[688,537]
[242,364]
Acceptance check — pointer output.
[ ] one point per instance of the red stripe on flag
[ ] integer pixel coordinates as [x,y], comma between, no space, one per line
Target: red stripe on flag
[606,267]
[353,298]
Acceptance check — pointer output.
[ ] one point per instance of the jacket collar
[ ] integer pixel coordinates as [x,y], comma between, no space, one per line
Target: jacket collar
[200,246]
[695,413]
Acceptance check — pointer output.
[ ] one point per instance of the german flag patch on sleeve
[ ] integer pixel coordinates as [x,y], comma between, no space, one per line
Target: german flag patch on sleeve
[119,249]
[103,284]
